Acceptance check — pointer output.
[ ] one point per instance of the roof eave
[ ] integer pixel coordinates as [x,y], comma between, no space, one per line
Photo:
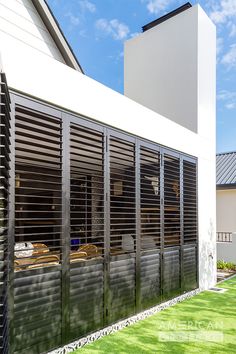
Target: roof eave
[226,186]
[57,34]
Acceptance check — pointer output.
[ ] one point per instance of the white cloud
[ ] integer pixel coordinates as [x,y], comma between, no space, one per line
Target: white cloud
[219,48]
[117,30]
[79,18]
[87,6]
[229,59]
[55,2]
[74,20]
[219,45]
[135,34]
[232,30]
[228,97]
[231,105]
[223,11]
[155,6]
[116,57]
[83,33]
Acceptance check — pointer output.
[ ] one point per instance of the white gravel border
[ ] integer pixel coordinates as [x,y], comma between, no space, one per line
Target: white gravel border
[122,324]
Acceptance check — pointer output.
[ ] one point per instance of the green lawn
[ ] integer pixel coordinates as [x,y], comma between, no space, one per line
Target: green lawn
[205,314]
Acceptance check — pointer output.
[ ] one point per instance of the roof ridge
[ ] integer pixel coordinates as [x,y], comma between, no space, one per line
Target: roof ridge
[225,153]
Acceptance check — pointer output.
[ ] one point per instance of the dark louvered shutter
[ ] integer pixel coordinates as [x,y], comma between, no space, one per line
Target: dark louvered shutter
[38,224]
[172,226]
[4,193]
[105,225]
[87,230]
[150,226]
[190,222]
[122,228]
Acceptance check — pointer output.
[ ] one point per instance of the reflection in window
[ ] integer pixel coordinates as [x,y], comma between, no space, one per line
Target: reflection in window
[37,190]
[38,194]
[150,199]
[190,201]
[171,201]
[122,197]
[87,194]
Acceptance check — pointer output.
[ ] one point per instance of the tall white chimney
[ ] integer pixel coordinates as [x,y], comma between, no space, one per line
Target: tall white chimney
[170,68]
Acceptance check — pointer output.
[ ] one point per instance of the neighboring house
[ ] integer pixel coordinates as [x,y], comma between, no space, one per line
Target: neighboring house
[107,204]
[226,206]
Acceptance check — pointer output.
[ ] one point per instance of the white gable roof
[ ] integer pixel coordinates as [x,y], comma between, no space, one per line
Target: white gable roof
[32,23]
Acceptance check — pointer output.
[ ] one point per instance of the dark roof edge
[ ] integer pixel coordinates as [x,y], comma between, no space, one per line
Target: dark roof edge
[225,153]
[226,186]
[55,31]
[167,16]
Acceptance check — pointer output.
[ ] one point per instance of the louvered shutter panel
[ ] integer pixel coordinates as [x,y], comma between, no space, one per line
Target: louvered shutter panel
[4,196]
[172,226]
[38,224]
[87,230]
[190,223]
[122,228]
[150,226]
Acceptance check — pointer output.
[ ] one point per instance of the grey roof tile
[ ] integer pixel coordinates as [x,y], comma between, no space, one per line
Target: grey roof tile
[226,168]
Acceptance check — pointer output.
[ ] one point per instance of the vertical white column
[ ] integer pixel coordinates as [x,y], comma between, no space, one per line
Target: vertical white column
[207,160]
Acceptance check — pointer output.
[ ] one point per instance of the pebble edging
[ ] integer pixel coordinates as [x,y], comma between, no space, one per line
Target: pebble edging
[122,324]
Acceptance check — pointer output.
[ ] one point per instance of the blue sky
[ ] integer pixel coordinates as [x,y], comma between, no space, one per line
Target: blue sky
[97,29]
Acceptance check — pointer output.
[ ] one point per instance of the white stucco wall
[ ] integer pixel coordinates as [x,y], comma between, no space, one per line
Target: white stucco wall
[45,78]
[171,70]
[206,125]
[226,210]
[39,75]
[158,60]
[19,21]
